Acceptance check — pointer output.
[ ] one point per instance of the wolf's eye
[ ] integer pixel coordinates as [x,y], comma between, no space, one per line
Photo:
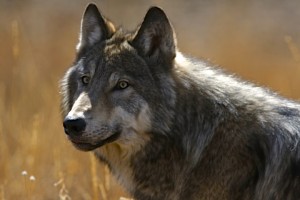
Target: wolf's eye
[122,85]
[85,80]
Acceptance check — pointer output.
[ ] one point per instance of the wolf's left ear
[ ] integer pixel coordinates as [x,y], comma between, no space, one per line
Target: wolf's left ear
[94,28]
[156,37]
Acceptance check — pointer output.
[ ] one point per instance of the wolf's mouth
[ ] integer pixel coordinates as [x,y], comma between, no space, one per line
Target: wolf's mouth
[85,146]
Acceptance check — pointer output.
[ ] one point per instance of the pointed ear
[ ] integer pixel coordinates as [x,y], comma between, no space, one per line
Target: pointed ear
[94,28]
[155,37]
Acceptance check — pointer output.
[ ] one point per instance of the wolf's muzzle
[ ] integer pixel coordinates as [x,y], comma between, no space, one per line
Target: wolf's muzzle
[74,127]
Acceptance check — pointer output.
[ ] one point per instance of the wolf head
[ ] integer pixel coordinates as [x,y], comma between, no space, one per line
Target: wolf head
[120,87]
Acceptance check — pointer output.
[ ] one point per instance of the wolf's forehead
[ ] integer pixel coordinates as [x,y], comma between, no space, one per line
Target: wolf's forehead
[114,55]
[117,49]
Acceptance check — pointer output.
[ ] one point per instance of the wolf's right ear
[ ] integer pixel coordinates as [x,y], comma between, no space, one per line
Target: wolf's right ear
[94,28]
[155,39]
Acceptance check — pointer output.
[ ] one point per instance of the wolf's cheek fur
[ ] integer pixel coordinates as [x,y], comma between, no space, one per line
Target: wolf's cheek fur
[133,125]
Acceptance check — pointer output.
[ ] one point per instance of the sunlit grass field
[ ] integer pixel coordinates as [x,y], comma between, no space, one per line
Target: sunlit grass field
[257,41]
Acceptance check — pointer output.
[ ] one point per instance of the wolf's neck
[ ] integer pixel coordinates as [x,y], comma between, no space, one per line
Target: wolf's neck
[197,117]
[158,167]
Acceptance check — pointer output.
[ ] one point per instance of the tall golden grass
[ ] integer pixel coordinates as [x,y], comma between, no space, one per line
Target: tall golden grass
[36,47]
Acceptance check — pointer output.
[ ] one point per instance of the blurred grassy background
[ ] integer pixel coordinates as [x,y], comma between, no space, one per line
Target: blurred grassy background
[259,40]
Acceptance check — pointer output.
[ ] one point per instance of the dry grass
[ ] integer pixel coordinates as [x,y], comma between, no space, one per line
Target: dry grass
[36,41]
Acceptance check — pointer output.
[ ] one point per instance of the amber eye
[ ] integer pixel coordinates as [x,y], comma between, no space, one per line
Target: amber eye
[123,84]
[85,80]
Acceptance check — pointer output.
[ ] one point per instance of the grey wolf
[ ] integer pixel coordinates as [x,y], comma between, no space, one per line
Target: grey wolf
[170,127]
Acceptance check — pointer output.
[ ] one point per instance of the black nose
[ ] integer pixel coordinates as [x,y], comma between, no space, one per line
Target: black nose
[75,126]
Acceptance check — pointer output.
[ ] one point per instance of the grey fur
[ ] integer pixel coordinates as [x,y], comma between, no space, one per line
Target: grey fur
[181,129]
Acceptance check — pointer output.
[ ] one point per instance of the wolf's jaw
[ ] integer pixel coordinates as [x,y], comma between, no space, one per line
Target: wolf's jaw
[84,146]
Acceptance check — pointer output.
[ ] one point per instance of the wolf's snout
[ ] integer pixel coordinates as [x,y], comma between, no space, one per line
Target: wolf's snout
[75,126]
